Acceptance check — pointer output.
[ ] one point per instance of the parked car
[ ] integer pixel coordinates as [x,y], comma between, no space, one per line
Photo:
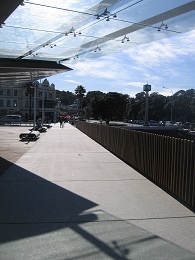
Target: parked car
[189,125]
[139,122]
[178,124]
[153,123]
[169,124]
[161,123]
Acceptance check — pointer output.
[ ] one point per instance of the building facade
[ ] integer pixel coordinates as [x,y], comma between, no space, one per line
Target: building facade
[20,100]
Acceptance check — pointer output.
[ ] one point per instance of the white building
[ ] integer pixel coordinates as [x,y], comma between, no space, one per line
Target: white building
[20,100]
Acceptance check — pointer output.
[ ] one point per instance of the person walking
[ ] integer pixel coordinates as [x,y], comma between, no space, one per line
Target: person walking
[61,121]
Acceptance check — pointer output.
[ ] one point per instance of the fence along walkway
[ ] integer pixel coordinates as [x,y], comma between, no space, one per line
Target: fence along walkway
[167,161]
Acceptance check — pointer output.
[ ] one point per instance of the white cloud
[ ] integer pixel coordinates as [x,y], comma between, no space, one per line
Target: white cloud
[72,81]
[134,84]
[145,62]
[169,62]
[164,51]
[103,68]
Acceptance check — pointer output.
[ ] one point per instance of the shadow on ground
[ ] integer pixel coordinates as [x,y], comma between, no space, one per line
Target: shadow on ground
[40,220]
[5,164]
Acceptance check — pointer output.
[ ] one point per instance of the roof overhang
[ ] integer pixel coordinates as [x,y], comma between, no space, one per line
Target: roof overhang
[7,8]
[17,72]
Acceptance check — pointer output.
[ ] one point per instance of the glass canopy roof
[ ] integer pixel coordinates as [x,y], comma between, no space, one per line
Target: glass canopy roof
[65,31]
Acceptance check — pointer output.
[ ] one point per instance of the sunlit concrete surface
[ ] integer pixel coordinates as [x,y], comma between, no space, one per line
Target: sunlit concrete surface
[66,197]
[11,148]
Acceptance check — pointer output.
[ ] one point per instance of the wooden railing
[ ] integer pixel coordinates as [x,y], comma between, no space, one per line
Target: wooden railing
[167,161]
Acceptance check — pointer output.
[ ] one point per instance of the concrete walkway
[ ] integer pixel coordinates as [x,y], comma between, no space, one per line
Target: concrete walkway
[67,197]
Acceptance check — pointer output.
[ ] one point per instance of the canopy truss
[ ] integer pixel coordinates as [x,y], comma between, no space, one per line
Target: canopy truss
[64,32]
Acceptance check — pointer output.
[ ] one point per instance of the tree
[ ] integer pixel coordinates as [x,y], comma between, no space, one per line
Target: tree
[117,106]
[80,92]
[91,95]
[137,107]
[92,103]
[192,106]
[156,105]
[87,111]
[181,102]
[66,97]
[114,106]
[131,101]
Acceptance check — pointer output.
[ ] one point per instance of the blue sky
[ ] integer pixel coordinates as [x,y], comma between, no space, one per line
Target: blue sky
[169,63]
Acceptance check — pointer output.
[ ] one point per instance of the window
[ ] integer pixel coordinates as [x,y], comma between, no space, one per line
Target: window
[8,103]
[50,95]
[26,103]
[8,92]
[15,92]
[15,103]
[1,103]
[26,93]
[1,92]
[40,94]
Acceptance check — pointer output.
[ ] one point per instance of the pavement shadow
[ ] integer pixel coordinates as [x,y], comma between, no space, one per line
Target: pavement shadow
[41,220]
[5,164]
[31,207]
[28,198]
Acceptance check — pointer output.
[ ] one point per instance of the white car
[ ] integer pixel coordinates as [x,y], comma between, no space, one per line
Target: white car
[178,124]
[169,124]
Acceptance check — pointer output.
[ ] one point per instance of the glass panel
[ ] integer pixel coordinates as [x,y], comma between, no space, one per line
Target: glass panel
[64,31]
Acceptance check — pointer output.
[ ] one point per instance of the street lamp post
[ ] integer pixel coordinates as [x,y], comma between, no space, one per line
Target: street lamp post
[35,105]
[43,102]
[171,104]
[146,88]
[58,106]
